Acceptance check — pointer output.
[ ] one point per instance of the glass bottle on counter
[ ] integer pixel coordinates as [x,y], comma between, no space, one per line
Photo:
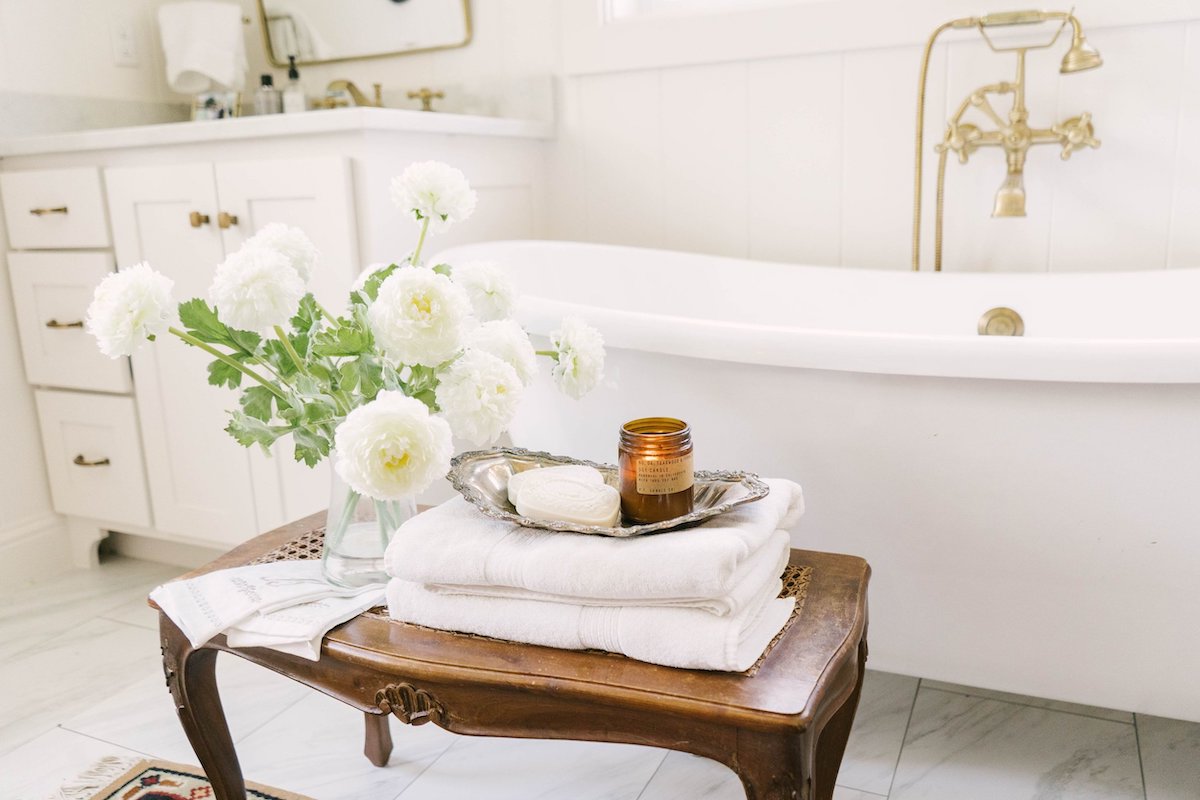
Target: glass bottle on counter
[267,99]
[657,476]
[294,100]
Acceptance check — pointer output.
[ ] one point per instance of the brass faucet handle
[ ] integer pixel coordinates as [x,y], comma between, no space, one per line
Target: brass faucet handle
[426,96]
[961,138]
[1076,133]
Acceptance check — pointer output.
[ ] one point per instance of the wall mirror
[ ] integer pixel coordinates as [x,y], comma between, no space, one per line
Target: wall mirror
[320,31]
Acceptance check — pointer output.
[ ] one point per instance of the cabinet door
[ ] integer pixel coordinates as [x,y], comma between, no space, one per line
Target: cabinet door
[200,478]
[314,194]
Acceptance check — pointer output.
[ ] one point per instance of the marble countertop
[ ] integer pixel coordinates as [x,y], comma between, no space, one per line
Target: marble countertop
[311,122]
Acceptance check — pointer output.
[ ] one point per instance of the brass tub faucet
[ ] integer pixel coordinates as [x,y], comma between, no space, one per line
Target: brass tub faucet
[1013,134]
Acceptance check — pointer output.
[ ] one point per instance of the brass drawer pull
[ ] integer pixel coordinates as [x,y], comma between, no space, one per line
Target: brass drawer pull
[197,219]
[80,461]
[60,325]
[226,220]
[40,212]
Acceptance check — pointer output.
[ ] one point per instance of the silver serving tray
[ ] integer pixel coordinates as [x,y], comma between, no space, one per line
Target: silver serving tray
[481,476]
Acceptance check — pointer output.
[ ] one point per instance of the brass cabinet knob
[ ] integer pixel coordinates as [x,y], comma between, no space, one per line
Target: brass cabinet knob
[41,212]
[60,325]
[226,220]
[197,219]
[80,461]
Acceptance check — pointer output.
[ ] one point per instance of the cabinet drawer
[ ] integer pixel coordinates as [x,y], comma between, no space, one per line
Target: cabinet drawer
[54,208]
[51,292]
[94,456]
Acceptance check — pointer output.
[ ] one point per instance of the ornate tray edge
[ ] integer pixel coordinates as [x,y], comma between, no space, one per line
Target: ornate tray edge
[758,489]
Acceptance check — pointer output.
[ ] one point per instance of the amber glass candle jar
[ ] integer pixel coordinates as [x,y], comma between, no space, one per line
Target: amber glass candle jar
[657,478]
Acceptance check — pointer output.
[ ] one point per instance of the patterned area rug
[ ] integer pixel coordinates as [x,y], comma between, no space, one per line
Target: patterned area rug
[151,779]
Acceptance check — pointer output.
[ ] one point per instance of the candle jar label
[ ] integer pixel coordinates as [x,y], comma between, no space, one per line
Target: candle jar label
[665,476]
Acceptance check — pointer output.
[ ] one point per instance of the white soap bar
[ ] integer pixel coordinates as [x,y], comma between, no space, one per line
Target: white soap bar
[570,500]
[579,472]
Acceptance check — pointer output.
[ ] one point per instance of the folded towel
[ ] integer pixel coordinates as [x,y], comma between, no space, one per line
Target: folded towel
[204,45]
[299,629]
[453,544]
[673,637]
[214,602]
[757,571]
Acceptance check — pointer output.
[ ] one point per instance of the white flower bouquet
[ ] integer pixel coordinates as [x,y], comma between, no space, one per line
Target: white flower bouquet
[421,354]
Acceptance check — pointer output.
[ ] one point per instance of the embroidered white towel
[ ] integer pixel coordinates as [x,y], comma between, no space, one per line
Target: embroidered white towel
[457,545]
[205,606]
[761,568]
[299,629]
[674,637]
[204,45]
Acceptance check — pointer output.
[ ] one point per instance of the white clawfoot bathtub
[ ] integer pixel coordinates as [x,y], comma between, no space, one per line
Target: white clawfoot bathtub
[1030,506]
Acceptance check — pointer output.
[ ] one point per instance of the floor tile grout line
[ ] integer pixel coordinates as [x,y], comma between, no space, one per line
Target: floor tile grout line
[127,623]
[1137,740]
[429,766]
[650,780]
[288,707]
[964,693]
[95,738]
[904,739]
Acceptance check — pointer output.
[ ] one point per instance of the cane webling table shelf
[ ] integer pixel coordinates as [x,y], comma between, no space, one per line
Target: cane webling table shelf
[783,730]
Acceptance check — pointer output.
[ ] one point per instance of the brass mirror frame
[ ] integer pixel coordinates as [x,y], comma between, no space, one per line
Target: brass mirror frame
[276,62]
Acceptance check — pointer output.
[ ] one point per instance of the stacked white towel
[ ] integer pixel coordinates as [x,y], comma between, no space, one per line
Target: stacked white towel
[284,605]
[700,598]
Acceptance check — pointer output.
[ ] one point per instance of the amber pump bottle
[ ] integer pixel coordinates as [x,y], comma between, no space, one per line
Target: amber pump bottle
[657,477]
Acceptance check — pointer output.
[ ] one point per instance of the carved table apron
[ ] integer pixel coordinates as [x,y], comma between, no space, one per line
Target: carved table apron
[783,730]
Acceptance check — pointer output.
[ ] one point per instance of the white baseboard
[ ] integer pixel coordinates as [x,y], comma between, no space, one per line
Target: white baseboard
[35,547]
[188,556]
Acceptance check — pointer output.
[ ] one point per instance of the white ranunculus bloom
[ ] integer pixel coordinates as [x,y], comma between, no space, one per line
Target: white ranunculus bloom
[392,447]
[434,191]
[478,394]
[580,364]
[129,307]
[419,317]
[505,339]
[255,289]
[491,290]
[301,253]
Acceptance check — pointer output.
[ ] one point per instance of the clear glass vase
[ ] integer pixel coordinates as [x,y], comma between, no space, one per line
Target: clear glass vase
[357,532]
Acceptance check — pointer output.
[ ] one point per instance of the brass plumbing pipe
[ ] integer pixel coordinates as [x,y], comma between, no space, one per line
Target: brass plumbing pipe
[1078,54]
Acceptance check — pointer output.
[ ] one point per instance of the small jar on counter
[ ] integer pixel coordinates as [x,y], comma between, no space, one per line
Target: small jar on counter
[657,477]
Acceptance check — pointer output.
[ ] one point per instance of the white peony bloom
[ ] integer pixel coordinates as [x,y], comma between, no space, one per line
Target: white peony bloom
[478,394]
[505,339]
[392,447]
[419,317]
[434,191]
[128,307]
[301,253]
[580,364]
[256,289]
[489,287]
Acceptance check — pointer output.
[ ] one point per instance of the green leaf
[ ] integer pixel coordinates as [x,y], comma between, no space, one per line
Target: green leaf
[308,316]
[250,431]
[348,338]
[444,269]
[246,341]
[371,287]
[278,357]
[201,321]
[256,402]
[222,374]
[311,446]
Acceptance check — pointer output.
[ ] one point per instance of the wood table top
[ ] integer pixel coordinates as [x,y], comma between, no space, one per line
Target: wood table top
[809,655]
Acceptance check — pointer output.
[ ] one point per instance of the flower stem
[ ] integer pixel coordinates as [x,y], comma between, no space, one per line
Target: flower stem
[324,312]
[287,345]
[416,256]
[548,353]
[206,347]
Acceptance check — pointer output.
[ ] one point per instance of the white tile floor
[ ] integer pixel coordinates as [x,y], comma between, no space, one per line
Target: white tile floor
[79,663]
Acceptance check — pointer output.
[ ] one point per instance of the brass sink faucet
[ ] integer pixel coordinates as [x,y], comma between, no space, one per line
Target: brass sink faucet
[1013,134]
[360,100]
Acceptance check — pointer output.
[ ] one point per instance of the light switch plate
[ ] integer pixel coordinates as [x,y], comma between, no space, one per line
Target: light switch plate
[123,38]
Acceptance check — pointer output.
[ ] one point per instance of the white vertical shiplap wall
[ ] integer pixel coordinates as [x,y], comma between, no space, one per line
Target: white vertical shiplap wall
[809,158]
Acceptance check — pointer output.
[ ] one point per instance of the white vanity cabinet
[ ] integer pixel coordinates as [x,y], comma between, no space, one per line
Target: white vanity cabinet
[138,445]
[183,219]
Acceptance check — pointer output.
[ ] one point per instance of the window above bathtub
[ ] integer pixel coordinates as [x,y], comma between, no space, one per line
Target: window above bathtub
[619,35]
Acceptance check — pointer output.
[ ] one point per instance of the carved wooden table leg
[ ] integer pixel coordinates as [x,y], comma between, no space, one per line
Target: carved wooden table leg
[769,766]
[192,679]
[831,745]
[378,746]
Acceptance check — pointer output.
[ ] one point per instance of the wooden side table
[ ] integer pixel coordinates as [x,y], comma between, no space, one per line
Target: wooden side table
[783,731]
